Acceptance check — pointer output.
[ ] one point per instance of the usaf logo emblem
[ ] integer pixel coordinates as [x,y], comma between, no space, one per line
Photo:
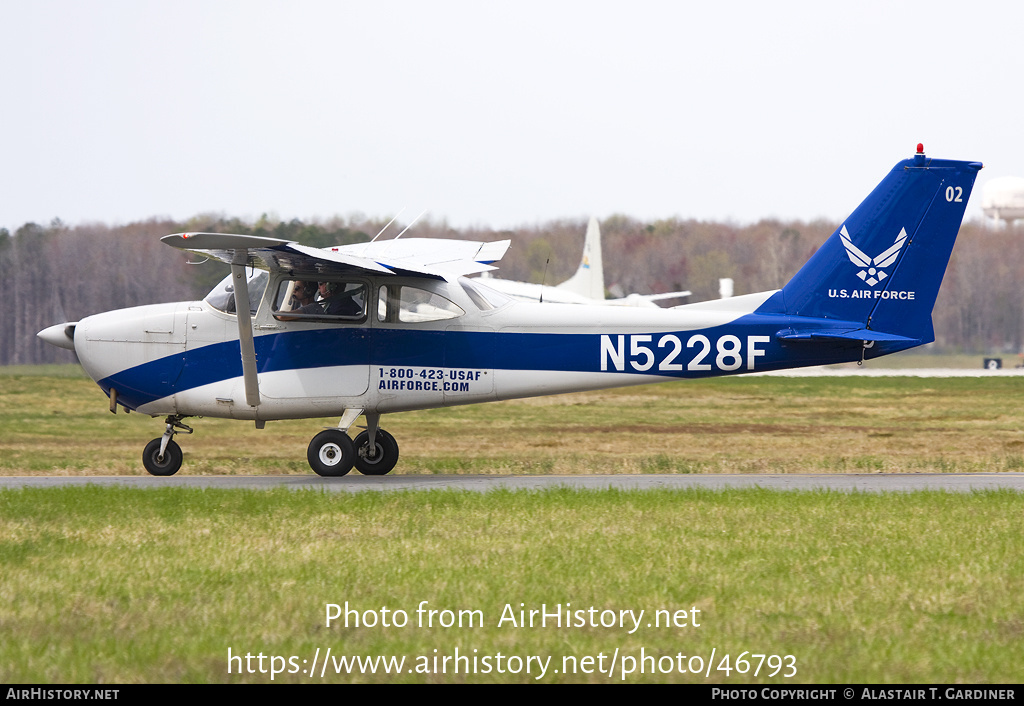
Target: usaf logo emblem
[872,272]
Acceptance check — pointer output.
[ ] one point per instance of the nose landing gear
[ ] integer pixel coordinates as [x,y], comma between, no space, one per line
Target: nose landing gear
[162,456]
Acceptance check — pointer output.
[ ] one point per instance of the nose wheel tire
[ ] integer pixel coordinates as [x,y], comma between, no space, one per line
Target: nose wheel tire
[166,465]
[383,458]
[331,453]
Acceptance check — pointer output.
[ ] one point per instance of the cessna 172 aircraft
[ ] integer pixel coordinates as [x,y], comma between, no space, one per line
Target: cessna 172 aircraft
[586,286]
[398,326]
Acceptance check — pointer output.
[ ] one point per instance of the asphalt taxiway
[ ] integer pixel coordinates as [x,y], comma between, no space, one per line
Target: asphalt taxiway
[354,483]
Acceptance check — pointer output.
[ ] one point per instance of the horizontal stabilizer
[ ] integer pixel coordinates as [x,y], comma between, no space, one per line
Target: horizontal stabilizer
[861,334]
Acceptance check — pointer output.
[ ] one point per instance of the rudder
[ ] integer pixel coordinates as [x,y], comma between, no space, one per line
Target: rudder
[882,268]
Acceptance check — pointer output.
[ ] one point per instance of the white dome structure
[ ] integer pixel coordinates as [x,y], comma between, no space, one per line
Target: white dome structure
[1002,199]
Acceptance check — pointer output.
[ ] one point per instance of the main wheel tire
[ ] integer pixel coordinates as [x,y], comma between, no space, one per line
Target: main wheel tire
[166,465]
[384,458]
[331,453]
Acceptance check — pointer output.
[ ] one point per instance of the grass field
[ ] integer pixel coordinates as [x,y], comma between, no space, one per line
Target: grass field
[58,423]
[124,585]
[115,585]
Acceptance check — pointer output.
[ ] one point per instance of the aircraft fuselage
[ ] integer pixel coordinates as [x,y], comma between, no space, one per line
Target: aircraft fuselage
[183,358]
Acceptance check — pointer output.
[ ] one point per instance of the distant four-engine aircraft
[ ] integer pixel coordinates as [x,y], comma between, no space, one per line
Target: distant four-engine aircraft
[370,329]
[586,286]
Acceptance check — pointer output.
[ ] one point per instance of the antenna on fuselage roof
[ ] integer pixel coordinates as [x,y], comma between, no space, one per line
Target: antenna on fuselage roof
[403,230]
[410,225]
[388,224]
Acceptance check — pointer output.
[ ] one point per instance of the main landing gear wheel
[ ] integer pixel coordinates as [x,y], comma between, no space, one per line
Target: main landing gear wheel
[331,453]
[166,465]
[383,458]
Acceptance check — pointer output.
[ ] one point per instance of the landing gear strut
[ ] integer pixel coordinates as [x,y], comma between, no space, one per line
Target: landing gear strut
[378,458]
[162,456]
[376,450]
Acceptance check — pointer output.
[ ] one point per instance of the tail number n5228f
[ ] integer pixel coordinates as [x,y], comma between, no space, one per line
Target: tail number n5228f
[727,353]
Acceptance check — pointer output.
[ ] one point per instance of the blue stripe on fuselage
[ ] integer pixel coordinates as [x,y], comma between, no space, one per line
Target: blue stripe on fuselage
[672,353]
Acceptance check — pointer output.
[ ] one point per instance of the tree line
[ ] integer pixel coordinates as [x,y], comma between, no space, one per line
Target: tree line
[58,273]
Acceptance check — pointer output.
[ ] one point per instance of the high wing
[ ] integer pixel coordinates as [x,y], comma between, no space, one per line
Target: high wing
[432,258]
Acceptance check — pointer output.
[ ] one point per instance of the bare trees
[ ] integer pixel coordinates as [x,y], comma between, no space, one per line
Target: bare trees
[55,274]
[980,307]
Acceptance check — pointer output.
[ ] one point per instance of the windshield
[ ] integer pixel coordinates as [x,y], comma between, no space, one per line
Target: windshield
[483,296]
[222,297]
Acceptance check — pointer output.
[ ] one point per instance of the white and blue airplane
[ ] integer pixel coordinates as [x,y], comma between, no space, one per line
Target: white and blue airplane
[397,325]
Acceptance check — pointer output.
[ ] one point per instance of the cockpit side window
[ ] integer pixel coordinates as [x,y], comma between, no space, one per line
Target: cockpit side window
[403,304]
[222,297]
[320,300]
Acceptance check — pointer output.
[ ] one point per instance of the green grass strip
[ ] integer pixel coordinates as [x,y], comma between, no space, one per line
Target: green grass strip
[120,585]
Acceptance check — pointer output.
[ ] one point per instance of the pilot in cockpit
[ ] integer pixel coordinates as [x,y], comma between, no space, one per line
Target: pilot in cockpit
[303,294]
[335,300]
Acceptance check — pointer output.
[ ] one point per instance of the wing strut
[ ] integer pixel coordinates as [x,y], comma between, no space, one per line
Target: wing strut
[245,340]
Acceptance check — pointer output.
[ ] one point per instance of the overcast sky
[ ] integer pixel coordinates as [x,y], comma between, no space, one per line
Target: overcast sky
[493,113]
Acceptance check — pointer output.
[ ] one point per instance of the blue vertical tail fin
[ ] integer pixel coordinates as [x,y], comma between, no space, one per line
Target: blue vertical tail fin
[882,268]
